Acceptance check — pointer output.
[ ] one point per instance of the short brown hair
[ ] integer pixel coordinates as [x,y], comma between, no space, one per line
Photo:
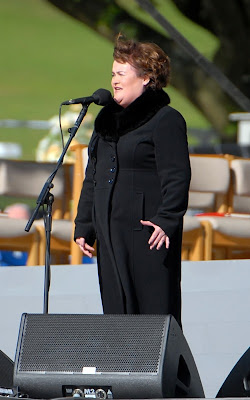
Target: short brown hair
[147,58]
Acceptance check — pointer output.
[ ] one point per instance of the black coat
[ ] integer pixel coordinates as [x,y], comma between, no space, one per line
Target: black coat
[138,169]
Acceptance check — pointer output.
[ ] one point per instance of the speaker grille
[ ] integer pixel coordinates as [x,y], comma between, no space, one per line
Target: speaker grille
[114,344]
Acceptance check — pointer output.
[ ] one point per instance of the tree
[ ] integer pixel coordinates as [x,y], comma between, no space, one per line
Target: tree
[228,20]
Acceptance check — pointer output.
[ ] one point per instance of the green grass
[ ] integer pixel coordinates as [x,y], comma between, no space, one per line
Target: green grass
[48,57]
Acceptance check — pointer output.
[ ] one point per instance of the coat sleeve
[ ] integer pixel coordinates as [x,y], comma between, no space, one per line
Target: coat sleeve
[173,166]
[83,222]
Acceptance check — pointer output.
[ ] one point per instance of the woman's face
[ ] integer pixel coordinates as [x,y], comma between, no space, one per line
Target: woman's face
[127,86]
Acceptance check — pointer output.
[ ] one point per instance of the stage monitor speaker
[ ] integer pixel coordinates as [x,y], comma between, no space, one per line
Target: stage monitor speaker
[237,384]
[6,371]
[104,356]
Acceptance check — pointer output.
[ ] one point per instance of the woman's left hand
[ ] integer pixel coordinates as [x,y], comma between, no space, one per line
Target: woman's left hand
[158,237]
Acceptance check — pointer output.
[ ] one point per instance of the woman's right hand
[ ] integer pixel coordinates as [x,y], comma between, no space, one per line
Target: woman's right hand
[85,247]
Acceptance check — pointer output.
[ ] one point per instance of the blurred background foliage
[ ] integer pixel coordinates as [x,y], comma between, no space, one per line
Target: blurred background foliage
[48,57]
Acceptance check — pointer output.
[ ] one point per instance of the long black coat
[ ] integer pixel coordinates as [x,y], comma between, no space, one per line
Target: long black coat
[138,169]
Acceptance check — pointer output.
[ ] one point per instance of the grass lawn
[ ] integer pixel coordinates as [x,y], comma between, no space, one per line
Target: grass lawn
[48,57]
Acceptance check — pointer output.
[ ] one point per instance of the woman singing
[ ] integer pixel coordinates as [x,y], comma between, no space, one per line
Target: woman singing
[135,192]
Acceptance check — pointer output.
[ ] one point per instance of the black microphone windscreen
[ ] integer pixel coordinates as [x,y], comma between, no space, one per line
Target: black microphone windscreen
[102,97]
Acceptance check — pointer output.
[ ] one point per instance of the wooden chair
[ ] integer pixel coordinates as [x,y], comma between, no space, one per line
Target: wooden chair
[25,179]
[229,237]
[192,239]
[208,193]
[14,238]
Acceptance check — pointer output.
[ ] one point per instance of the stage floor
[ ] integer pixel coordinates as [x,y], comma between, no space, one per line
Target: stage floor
[216,300]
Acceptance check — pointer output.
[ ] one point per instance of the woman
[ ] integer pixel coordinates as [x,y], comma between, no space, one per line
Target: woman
[136,188]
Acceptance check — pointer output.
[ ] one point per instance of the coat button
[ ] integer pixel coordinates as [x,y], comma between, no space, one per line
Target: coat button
[112,169]
[111,180]
[113,158]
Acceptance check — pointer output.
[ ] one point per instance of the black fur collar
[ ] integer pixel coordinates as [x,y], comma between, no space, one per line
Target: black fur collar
[114,121]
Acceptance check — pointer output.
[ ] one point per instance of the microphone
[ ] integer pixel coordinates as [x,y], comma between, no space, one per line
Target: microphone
[100,97]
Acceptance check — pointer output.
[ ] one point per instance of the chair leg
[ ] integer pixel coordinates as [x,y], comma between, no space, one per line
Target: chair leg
[184,254]
[208,240]
[42,244]
[33,256]
[76,254]
[197,252]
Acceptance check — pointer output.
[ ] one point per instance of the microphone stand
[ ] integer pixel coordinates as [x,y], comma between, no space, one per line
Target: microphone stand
[47,198]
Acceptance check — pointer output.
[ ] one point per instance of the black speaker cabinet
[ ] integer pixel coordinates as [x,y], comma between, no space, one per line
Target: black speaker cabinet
[6,371]
[104,356]
[237,384]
